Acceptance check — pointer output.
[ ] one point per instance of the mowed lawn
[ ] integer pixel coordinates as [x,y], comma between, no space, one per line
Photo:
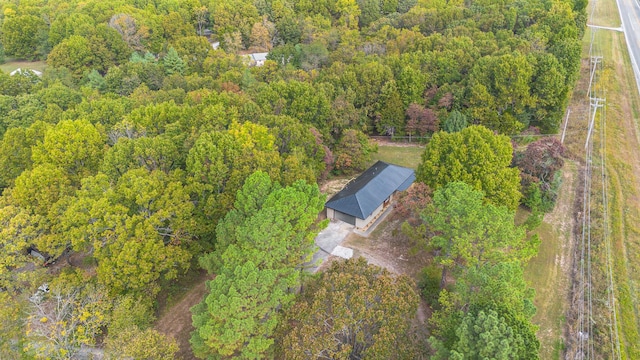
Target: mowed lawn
[408,156]
[9,66]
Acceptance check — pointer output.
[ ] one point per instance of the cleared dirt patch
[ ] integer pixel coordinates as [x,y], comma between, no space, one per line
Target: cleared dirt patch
[176,322]
[388,248]
[333,186]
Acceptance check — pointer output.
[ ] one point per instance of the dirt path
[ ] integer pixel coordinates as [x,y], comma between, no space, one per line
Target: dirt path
[176,322]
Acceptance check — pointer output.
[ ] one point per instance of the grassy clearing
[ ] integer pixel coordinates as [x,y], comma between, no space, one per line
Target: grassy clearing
[547,273]
[9,66]
[408,156]
[543,275]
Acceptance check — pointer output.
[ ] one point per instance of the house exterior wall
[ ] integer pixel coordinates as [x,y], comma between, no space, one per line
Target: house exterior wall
[361,223]
[337,215]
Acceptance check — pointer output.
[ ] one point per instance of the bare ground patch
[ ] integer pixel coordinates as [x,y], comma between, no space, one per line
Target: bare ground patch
[333,186]
[388,248]
[176,321]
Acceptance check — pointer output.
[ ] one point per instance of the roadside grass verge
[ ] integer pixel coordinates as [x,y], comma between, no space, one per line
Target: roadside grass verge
[622,180]
[408,156]
[605,13]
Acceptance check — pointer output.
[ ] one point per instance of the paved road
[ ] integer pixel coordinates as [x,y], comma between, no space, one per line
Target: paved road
[630,15]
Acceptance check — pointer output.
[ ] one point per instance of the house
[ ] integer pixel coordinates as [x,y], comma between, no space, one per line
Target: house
[25,71]
[258,59]
[365,198]
[255,59]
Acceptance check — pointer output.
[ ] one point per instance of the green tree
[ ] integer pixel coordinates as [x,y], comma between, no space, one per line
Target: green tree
[238,316]
[151,153]
[471,234]
[66,25]
[234,16]
[59,95]
[175,26]
[15,153]
[499,285]
[194,50]
[456,121]
[486,334]
[351,310]
[272,225]
[130,313]
[391,121]
[16,234]
[75,146]
[475,156]
[11,326]
[39,194]
[501,92]
[139,229]
[39,188]
[105,110]
[172,63]
[550,91]
[302,155]
[219,162]
[96,80]
[370,11]
[74,53]
[108,47]
[24,36]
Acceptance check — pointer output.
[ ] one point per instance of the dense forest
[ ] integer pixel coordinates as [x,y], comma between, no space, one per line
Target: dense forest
[152,146]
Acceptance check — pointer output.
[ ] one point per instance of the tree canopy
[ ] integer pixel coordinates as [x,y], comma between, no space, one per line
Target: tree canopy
[130,152]
[351,310]
[475,156]
[471,234]
[274,227]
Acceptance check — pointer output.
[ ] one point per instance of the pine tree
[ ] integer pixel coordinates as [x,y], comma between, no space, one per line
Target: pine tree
[173,64]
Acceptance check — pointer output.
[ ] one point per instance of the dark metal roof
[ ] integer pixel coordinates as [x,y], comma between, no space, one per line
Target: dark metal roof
[363,195]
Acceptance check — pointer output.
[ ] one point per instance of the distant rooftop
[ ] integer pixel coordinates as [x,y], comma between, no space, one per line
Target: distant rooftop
[259,56]
[23,71]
